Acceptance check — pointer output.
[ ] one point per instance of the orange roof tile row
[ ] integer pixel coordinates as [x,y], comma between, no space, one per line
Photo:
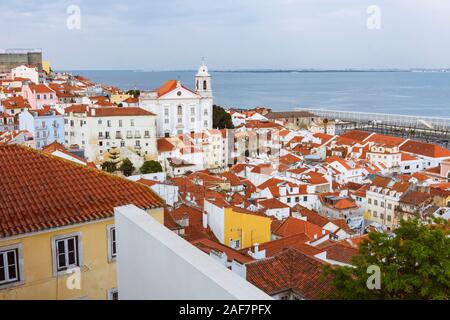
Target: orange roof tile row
[40,192]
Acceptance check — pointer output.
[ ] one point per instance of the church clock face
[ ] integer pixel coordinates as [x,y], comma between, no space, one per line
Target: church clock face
[179,93]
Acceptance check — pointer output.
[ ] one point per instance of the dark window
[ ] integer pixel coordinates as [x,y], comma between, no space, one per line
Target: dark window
[112,238]
[66,253]
[9,266]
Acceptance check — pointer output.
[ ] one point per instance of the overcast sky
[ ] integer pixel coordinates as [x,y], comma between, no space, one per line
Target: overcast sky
[231,34]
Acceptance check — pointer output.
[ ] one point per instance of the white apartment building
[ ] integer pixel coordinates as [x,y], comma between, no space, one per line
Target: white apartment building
[25,72]
[180,110]
[97,130]
[382,201]
[389,155]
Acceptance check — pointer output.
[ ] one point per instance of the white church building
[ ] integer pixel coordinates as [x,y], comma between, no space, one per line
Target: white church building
[179,109]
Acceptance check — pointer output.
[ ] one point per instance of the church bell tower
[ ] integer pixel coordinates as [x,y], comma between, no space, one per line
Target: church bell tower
[203,81]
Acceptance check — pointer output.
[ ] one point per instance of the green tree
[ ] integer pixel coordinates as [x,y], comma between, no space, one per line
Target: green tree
[414,264]
[109,166]
[127,167]
[135,93]
[151,167]
[221,118]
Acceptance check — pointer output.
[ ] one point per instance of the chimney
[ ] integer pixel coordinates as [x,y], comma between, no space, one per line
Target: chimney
[93,112]
[205,220]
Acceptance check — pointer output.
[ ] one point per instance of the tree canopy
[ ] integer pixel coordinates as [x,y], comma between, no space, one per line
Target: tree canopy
[221,118]
[134,93]
[414,264]
[151,167]
[109,166]
[127,167]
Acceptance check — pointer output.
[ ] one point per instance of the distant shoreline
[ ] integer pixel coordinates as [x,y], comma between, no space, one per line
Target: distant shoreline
[444,70]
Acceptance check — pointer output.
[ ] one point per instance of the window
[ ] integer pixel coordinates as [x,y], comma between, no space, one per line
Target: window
[99,121]
[122,144]
[305,198]
[113,294]
[180,120]
[389,206]
[382,204]
[112,247]
[10,271]
[166,120]
[108,123]
[235,244]
[375,202]
[138,143]
[381,216]
[288,200]
[132,123]
[166,112]
[375,214]
[120,123]
[205,86]
[369,201]
[388,217]
[147,134]
[66,252]
[180,110]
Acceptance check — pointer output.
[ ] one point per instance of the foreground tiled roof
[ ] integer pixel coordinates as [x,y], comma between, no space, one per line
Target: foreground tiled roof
[40,191]
[290,270]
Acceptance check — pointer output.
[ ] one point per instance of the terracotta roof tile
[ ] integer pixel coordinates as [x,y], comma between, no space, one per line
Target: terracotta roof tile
[292,271]
[40,191]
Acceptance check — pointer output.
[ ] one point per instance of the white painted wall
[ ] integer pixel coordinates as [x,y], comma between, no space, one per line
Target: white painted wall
[155,263]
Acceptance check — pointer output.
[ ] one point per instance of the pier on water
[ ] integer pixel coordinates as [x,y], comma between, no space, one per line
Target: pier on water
[423,128]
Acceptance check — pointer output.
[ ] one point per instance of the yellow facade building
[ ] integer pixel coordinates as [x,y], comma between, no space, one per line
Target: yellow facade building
[119,97]
[57,236]
[235,227]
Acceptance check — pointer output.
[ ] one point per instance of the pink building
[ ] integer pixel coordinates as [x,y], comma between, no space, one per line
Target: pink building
[39,95]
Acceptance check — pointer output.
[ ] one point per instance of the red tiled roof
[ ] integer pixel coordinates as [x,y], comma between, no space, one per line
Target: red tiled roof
[386,140]
[166,87]
[119,112]
[274,247]
[290,270]
[272,204]
[41,191]
[55,146]
[232,178]
[40,88]
[312,216]
[341,252]
[292,226]
[164,145]
[356,135]
[425,149]
[415,198]
[208,245]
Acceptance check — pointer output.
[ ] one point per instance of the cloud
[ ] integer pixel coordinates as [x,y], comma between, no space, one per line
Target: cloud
[174,34]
